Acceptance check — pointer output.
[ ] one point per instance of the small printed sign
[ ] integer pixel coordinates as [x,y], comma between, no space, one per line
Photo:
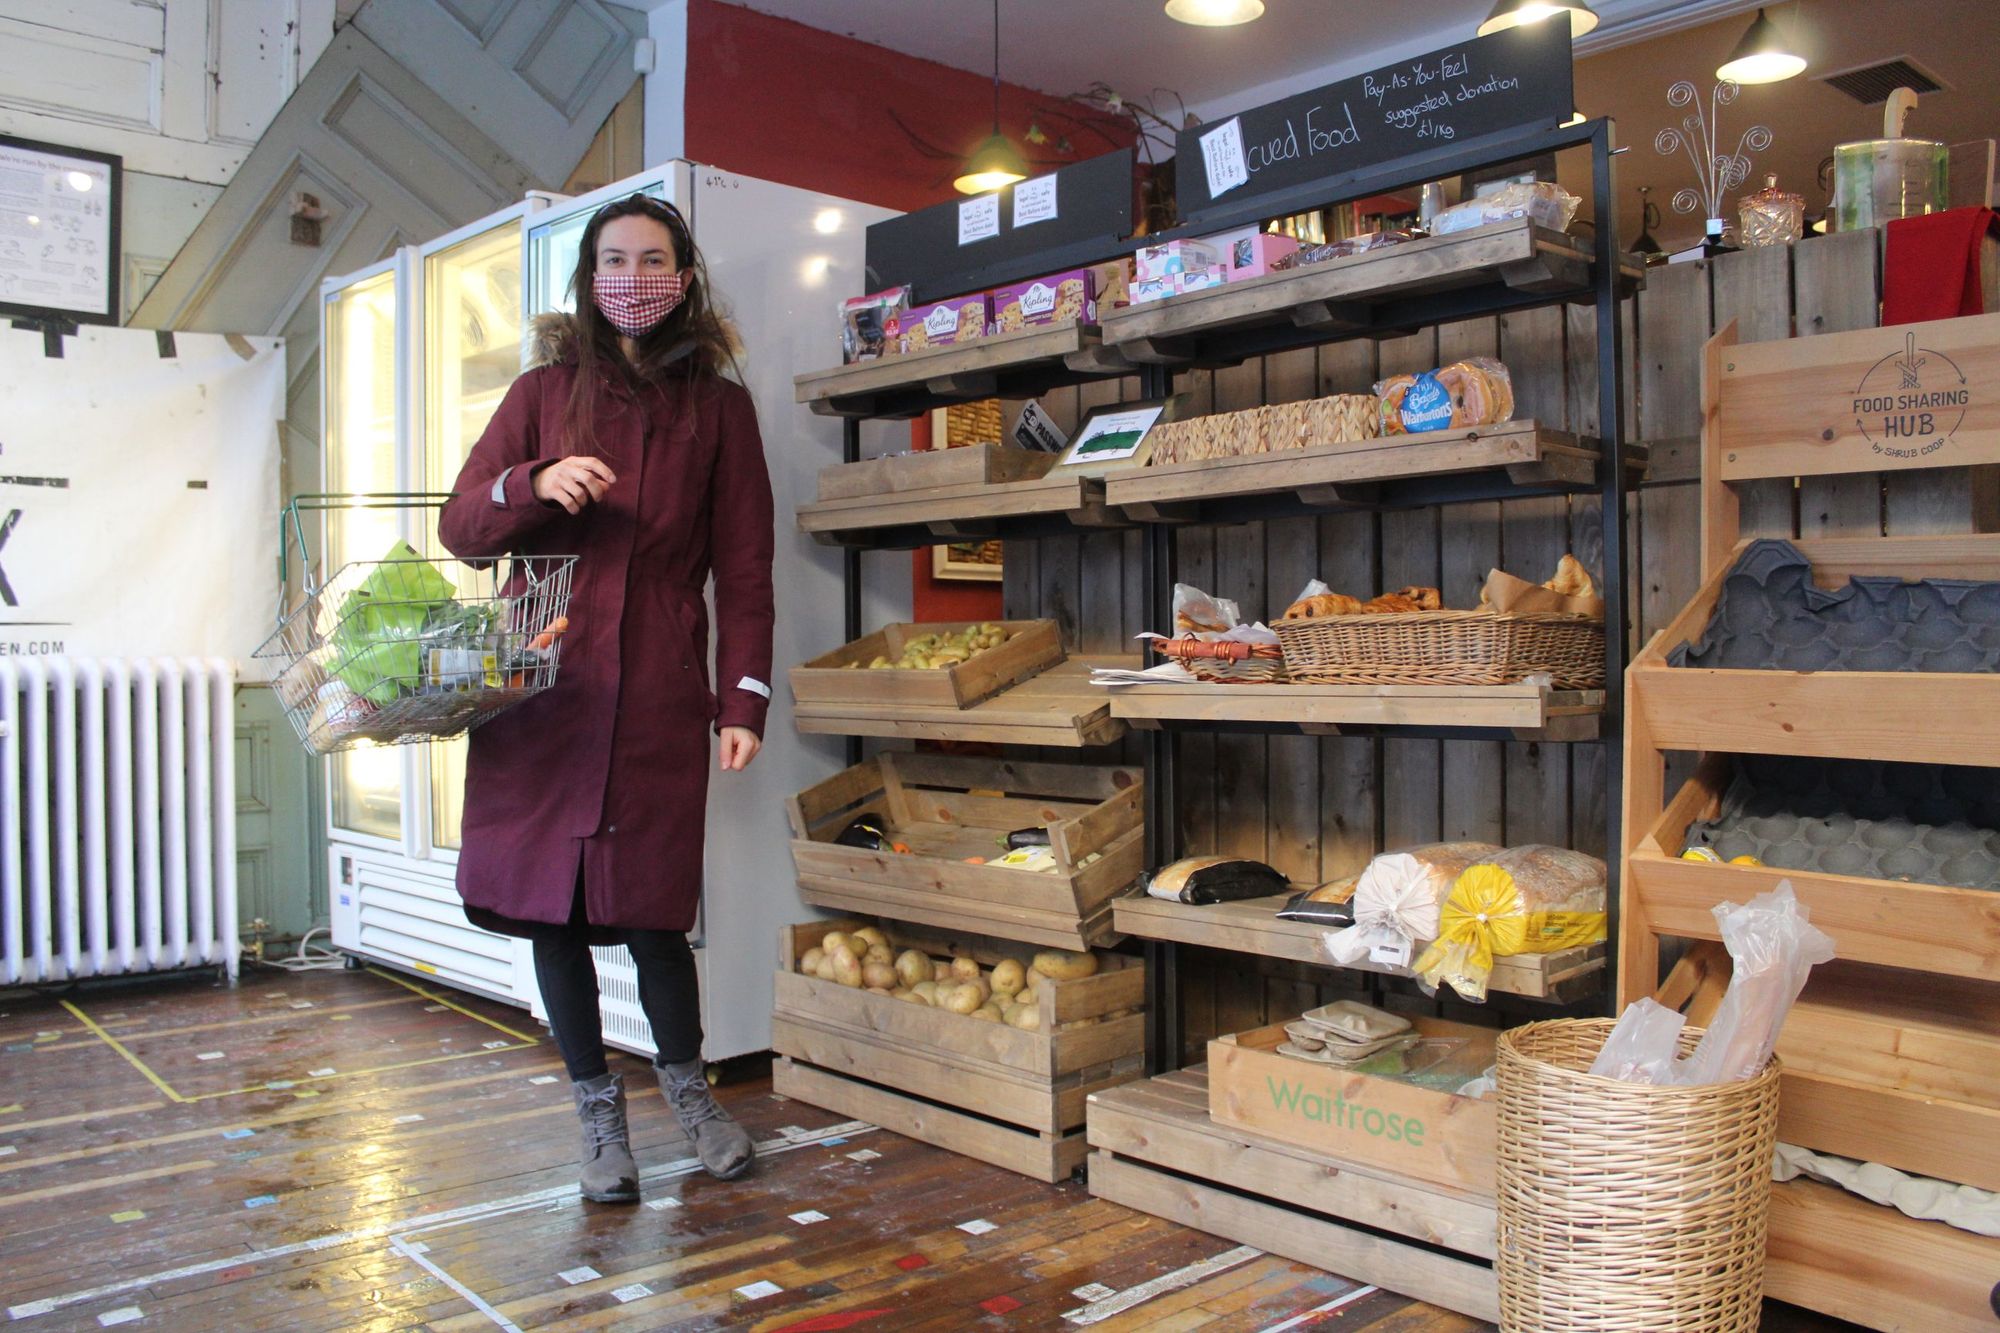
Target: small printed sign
[757,1291]
[978,219]
[1223,156]
[808,1217]
[978,1226]
[573,1276]
[1035,201]
[632,1293]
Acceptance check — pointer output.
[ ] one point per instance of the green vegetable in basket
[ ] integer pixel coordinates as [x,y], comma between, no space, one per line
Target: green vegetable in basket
[382,622]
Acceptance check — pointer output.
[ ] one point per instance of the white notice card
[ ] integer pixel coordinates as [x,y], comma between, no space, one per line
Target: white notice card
[979,219]
[1035,201]
[1222,153]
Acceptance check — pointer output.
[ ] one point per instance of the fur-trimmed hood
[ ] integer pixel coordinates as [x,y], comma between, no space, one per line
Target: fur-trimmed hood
[552,340]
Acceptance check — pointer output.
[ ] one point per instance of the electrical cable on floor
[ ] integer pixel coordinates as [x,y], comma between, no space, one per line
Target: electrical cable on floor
[310,957]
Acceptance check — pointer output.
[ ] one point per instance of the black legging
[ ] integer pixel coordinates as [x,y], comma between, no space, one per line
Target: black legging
[669,992]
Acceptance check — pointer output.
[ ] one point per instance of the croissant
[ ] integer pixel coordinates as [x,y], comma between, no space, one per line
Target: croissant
[1189,624]
[1427,599]
[1391,603]
[1324,604]
[1572,579]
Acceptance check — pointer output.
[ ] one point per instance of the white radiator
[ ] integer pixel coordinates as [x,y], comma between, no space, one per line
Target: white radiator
[117,816]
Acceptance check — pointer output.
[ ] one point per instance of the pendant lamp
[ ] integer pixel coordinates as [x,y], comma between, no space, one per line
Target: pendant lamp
[1763,56]
[996,162]
[1516,13]
[1215,13]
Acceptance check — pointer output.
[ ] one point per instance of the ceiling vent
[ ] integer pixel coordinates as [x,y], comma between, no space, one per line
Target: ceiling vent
[1871,85]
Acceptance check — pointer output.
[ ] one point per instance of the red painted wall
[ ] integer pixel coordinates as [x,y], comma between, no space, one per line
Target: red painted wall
[774,99]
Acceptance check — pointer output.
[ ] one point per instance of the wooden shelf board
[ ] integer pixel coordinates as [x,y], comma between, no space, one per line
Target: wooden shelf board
[1252,926]
[960,371]
[1525,452]
[964,508]
[1342,295]
[1530,711]
[1924,927]
[1053,930]
[1060,708]
[1156,1150]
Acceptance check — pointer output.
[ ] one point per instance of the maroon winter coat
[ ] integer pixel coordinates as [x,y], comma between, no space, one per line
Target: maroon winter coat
[607,771]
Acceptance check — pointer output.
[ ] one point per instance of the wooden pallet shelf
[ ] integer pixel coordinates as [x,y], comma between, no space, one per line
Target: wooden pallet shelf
[1527,712]
[974,512]
[1381,293]
[1252,926]
[1059,708]
[1004,365]
[1156,1150]
[1365,473]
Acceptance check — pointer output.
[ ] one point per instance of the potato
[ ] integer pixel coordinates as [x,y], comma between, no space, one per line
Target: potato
[917,997]
[1027,1017]
[926,991]
[846,967]
[901,993]
[874,936]
[940,971]
[965,969]
[878,976]
[912,967]
[1062,965]
[879,953]
[825,969]
[879,990]
[1009,977]
[986,1015]
[810,963]
[1007,1012]
[835,939]
[962,998]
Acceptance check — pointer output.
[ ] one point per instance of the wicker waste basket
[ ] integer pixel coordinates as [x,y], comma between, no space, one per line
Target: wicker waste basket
[1626,1207]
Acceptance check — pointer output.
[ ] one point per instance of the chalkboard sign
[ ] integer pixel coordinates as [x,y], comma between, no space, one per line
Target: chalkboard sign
[1516,79]
[1063,219]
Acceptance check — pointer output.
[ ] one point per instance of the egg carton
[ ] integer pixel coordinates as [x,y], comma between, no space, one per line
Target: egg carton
[1771,617]
[1923,823]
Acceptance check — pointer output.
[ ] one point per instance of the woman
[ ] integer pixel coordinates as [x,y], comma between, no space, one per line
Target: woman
[627,447]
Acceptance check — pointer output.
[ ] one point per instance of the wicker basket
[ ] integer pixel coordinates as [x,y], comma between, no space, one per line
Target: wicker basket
[1225,663]
[1444,648]
[1626,1208]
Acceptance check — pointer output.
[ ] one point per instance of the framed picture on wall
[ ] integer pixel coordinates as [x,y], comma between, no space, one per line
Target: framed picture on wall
[59,225]
[972,562]
[955,427]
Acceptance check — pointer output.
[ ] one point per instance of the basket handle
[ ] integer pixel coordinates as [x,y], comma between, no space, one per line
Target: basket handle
[291,521]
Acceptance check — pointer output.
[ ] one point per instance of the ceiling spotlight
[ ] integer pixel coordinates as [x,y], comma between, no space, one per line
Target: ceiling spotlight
[996,162]
[827,221]
[1519,13]
[1763,56]
[1215,13]
[80,182]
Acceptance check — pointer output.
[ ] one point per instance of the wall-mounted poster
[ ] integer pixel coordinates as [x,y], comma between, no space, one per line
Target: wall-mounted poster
[972,562]
[59,232]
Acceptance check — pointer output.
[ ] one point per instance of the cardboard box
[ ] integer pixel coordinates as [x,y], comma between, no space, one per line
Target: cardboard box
[1381,1123]
[1200,280]
[1060,298]
[865,321]
[961,319]
[1155,289]
[1255,255]
[1113,280]
[1161,261]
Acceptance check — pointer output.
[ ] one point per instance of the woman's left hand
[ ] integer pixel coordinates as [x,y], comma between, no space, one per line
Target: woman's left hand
[739,746]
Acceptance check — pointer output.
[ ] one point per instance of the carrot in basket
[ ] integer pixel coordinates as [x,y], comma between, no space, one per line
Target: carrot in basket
[550,633]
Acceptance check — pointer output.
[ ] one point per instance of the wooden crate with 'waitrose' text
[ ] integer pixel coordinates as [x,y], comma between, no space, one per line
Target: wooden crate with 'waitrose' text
[1379,1123]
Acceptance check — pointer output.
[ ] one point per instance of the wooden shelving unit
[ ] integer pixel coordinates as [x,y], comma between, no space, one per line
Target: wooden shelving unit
[1521,712]
[1059,708]
[1156,1149]
[1381,293]
[1002,365]
[1058,502]
[1890,1067]
[1252,926]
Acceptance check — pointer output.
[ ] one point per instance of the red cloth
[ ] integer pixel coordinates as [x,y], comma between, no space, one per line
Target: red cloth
[608,769]
[1932,268]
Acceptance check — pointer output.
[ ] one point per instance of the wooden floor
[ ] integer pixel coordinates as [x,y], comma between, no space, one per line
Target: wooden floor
[353,1150]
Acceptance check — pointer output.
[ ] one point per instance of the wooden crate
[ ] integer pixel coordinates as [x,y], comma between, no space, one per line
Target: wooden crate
[1398,1128]
[1157,1150]
[1894,923]
[928,469]
[948,808]
[1032,646]
[1003,1095]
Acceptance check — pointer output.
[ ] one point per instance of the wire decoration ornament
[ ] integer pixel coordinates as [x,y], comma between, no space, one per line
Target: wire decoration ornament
[1699,135]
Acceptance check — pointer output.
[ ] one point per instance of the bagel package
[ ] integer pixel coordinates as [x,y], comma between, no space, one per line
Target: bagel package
[1474,392]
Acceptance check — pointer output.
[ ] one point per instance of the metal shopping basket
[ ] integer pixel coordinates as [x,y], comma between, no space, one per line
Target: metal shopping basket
[408,648]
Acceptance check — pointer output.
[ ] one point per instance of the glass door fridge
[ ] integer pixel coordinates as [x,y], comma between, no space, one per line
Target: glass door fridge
[362,428]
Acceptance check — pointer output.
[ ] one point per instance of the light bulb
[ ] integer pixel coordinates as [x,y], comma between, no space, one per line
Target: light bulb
[827,221]
[1763,56]
[1519,13]
[1215,13]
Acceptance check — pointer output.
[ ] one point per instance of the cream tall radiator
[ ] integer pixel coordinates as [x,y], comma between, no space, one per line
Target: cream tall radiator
[117,816]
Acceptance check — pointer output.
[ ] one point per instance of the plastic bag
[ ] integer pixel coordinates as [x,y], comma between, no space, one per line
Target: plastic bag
[1530,899]
[1203,880]
[1396,901]
[1477,391]
[382,624]
[1544,203]
[1774,946]
[1195,612]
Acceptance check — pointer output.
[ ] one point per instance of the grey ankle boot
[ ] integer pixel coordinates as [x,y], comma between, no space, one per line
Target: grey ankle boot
[721,1143]
[609,1173]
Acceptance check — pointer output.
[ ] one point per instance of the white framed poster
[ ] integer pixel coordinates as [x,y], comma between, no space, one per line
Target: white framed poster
[59,232]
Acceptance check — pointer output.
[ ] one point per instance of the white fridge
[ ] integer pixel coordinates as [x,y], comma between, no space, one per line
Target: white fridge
[780,259]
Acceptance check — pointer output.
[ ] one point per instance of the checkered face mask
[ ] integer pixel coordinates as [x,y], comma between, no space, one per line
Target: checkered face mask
[635,302]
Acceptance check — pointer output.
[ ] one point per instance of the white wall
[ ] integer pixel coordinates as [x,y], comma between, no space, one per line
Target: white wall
[181,89]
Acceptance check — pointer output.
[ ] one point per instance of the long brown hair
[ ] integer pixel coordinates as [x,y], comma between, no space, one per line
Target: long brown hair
[692,343]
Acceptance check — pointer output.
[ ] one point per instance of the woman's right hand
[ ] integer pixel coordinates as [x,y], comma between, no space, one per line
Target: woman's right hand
[573,483]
